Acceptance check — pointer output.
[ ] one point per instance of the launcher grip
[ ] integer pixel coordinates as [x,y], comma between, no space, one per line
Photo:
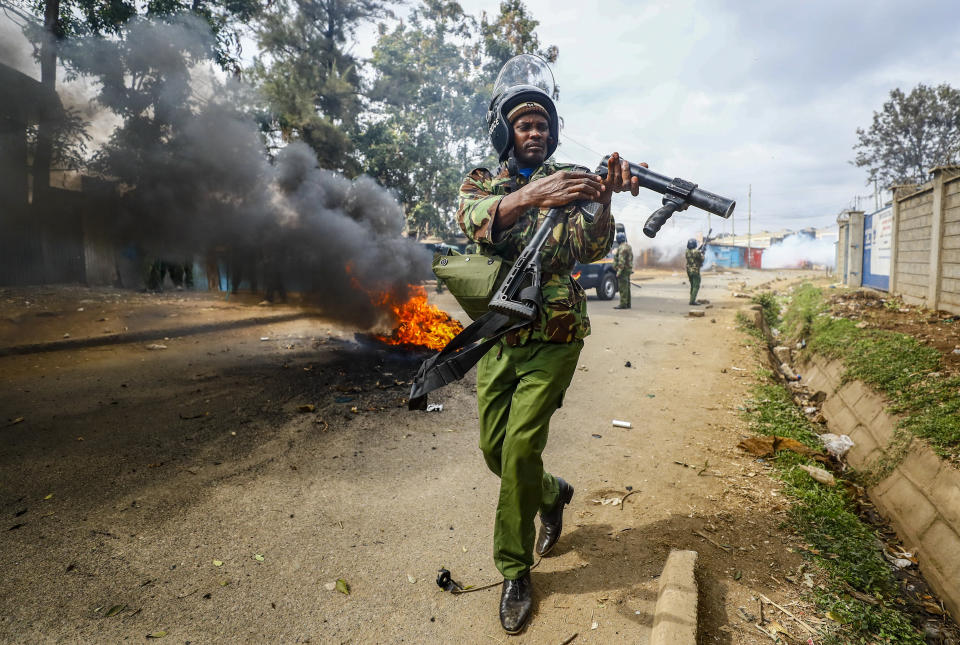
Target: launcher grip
[660,216]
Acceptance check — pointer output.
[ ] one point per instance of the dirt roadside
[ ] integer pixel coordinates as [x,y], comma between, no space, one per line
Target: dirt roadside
[134,470]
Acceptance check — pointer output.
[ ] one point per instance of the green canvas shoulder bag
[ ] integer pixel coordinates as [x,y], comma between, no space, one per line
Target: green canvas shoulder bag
[471,278]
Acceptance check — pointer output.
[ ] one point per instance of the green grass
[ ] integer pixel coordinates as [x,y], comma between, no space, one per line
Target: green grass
[843,546]
[896,365]
[771,307]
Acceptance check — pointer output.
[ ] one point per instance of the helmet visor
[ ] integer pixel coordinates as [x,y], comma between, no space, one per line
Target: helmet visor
[525,69]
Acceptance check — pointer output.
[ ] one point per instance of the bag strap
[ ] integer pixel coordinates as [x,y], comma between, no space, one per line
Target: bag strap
[458,356]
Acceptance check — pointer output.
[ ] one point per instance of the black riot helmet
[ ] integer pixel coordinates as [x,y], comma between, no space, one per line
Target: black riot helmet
[621,234]
[522,79]
[691,243]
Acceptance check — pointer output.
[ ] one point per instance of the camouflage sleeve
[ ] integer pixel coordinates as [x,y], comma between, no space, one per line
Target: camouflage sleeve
[591,241]
[478,206]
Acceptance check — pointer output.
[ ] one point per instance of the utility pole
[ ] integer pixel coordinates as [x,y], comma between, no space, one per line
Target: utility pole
[749,218]
[876,196]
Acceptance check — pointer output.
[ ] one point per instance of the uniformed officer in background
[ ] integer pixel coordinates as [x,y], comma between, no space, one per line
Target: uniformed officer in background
[694,262]
[623,265]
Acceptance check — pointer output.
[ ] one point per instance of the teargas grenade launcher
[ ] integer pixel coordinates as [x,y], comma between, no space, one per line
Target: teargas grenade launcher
[515,300]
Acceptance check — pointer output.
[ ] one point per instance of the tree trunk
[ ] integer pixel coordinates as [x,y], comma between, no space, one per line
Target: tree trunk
[43,156]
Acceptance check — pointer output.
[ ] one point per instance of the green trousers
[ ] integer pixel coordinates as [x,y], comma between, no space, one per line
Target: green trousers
[694,286]
[518,390]
[624,284]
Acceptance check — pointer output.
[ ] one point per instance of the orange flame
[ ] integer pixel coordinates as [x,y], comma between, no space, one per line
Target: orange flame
[420,323]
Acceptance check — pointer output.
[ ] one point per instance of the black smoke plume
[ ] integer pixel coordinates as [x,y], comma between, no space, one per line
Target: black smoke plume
[196,183]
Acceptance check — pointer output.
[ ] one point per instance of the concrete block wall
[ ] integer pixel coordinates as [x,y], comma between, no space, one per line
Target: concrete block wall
[950,254]
[925,259]
[920,498]
[912,259]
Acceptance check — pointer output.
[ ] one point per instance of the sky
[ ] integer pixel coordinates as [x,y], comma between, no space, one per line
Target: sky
[731,94]
[757,100]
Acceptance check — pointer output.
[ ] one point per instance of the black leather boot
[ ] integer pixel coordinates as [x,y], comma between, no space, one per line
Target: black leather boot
[551,524]
[516,599]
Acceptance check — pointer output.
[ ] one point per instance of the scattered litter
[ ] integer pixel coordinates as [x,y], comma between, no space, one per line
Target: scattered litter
[330,586]
[306,407]
[218,563]
[738,369]
[650,396]
[343,399]
[263,338]
[156,346]
[159,634]
[596,436]
[627,364]
[66,335]
[820,475]
[956,351]
[411,579]
[788,372]
[837,445]
[810,410]
[899,560]
[258,557]
[435,407]
[696,313]
[608,501]
[617,423]
[15,422]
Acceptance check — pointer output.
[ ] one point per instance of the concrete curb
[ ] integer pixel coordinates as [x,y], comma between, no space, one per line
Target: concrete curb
[675,616]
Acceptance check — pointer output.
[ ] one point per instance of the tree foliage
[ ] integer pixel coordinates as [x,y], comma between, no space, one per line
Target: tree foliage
[310,83]
[427,111]
[433,77]
[911,134]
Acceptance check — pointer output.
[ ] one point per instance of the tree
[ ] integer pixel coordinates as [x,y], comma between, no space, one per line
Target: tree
[433,80]
[311,84]
[912,133]
[511,34]
[427,112]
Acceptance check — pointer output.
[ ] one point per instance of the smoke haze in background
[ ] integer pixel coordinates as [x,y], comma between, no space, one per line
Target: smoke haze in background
[670,242]
[796,250]
[197,184]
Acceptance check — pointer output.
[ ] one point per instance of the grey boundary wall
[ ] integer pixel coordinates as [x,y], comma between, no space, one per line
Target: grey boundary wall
[925,254]
[920,498]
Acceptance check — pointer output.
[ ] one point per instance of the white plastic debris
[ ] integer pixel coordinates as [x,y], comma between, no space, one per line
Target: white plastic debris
[262,338]
[156,346]
[788,372]
[837,444]
[617,423]
[810,410]
[435,407]
[820,475]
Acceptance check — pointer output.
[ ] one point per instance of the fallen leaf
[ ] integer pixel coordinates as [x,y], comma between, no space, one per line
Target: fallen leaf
[343,587]
[159,634]
[15,421]
[307,407]
[113,611]
[258,557]
[50,496]
[218,563]
[411,579]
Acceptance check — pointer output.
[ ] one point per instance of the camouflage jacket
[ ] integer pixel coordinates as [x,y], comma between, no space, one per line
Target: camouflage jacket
[563,316]
[623,259]
[694,261]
